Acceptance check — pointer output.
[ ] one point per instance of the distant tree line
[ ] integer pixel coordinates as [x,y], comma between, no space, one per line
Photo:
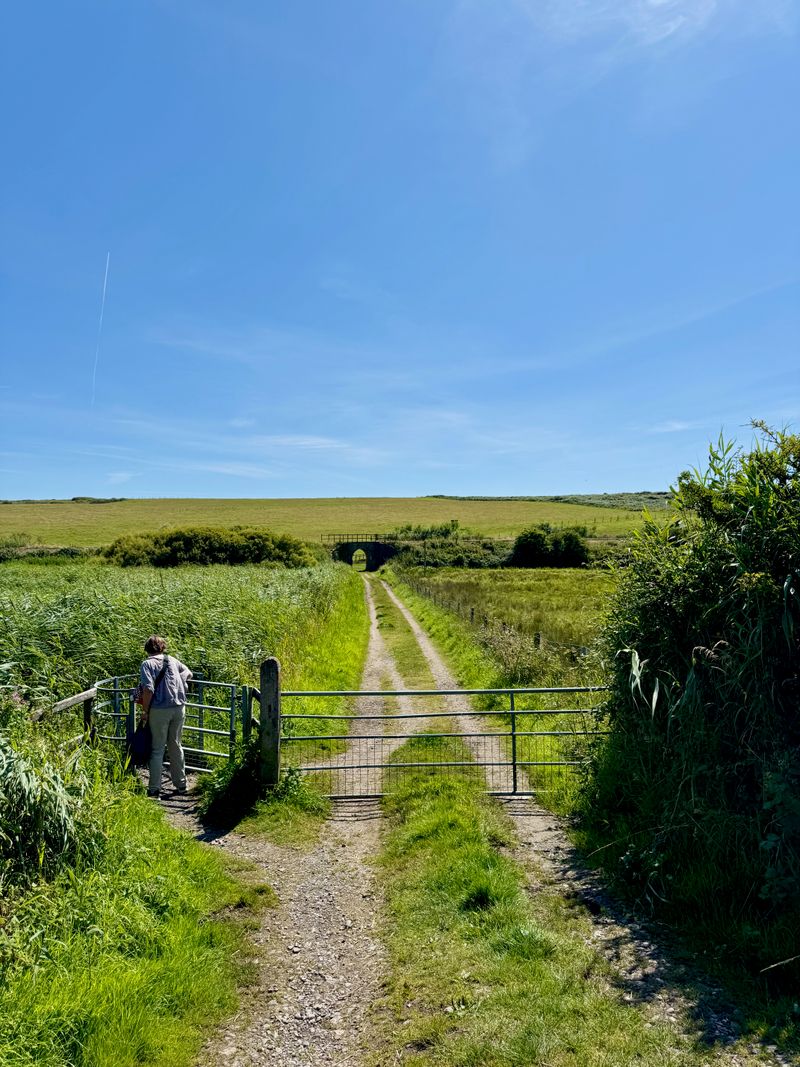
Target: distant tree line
[538,546]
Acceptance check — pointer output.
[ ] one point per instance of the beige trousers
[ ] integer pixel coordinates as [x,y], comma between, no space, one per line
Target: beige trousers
[166,725]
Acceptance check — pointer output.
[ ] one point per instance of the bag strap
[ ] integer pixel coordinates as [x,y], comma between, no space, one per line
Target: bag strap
[160,675]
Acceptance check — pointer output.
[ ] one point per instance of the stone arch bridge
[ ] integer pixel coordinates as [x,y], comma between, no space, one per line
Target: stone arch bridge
[376,549]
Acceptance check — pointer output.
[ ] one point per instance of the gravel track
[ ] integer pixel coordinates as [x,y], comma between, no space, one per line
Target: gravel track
[319,961]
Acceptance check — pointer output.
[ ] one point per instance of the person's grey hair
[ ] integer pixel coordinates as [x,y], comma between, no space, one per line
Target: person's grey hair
[154,645]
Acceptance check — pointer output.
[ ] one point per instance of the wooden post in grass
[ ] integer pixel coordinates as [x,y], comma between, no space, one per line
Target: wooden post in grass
[270,722]
[89,730]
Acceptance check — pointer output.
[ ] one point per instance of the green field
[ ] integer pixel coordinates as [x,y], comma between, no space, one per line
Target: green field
[564,605]
[87,524]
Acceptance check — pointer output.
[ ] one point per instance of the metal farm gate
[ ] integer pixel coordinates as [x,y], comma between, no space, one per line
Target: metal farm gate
[357,743]
[215,713]
[527,741]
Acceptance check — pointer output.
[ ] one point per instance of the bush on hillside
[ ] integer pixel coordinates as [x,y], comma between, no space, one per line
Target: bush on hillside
[696,794]
[443,531]
[542,546]
[207,545]
[446,553]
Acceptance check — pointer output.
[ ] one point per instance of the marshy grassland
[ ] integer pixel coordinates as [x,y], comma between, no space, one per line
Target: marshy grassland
[63,627]
[564,605]
[512,627]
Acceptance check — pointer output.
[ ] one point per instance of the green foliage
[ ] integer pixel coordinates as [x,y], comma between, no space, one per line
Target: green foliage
[442,531]
[110,955]
[542,546]
[43,825]
[472,554]
[18,547]
[694,795]
[205,545]
[62,629]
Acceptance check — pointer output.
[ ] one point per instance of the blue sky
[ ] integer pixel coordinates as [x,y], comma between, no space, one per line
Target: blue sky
[373,248]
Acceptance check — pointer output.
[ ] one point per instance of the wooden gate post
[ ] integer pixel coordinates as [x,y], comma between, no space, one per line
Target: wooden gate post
[270,722]
[89,728]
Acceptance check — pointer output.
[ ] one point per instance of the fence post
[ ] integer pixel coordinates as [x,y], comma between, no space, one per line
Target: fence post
[270,721]
[513,744]
[89,730]
[247,714]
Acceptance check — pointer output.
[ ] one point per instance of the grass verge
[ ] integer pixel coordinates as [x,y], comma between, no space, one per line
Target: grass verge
[127,957]
[484,974]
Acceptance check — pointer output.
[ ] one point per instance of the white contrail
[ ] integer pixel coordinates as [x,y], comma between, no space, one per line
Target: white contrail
[100,327]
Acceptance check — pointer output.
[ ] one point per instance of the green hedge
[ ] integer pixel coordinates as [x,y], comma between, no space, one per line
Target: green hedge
[206,545]
[695,797]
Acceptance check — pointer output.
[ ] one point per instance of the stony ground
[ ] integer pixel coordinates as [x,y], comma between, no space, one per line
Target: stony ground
[320,962]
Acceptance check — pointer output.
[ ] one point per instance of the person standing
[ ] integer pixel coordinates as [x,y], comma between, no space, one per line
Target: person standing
[163,680]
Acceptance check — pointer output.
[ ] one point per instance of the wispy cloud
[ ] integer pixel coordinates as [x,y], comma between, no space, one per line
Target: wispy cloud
[648,22]
[518,65]
[672,426]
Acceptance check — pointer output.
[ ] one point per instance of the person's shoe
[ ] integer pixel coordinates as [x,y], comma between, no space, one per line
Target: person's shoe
[154,795]
[181,789]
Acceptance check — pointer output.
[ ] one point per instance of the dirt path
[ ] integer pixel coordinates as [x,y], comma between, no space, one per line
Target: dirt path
[319,961]
[357,771]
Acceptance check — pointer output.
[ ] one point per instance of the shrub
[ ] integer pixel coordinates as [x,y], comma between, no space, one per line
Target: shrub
[39,821]
[446,553]
[695,793]
[449,530]
[207,545]
[542,546]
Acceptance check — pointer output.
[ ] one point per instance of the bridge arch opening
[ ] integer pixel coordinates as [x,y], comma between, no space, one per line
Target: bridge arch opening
[359,560]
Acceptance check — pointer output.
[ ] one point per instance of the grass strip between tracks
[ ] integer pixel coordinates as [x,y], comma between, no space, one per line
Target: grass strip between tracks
[483,972]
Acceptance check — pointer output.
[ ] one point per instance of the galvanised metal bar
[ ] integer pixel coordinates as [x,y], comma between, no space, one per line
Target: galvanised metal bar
[205,752]
[207,682]
[289,738]
[208,730]
[513,743]
[200,692]
[232,725]
[403,766]
[436,714]
[439,692]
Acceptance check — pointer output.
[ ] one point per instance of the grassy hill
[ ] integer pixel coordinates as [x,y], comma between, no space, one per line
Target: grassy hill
[89,523]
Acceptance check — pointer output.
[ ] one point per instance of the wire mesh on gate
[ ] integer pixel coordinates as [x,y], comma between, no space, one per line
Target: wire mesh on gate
[521,749]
